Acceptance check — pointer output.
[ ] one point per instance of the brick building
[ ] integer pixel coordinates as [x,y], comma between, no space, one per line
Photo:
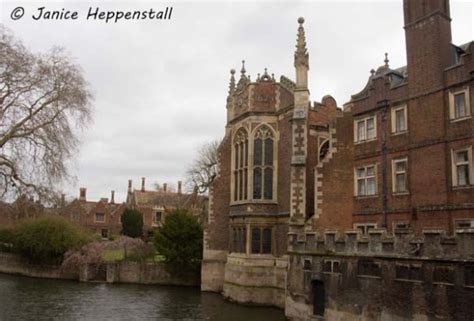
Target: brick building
[375,203]
[101,217]
[155,204]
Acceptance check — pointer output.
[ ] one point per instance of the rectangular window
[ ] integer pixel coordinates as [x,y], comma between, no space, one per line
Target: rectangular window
[261,240]
[469,275]
[366,181]
[399,175]
[100,217]
[256,240]
[157,216]
[368,268]
[459,105]
[365,129]
[399,119]
[443,274]
[464,224]
[408,272]
[331,266]
[462,167]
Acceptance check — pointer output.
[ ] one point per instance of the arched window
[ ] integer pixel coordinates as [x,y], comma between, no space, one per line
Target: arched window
[263,164]
[240,165]
[324,149]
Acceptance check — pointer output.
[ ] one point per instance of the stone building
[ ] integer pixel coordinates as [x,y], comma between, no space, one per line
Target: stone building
[155,204]
[369,212]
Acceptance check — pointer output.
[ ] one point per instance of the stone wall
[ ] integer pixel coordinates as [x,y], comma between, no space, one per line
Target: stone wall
[147,273]
[119,272]
[256,279]
[14,264]
[381,277]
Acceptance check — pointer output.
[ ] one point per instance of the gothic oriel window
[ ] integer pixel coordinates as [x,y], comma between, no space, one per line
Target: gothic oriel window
[263,164]
[240,165]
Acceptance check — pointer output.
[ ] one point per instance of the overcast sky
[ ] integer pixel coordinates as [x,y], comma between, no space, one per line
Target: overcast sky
[160,86]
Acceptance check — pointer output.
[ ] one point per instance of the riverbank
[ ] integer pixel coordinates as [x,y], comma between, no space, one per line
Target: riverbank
[114,272]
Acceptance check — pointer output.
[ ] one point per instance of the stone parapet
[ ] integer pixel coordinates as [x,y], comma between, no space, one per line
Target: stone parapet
[433,244]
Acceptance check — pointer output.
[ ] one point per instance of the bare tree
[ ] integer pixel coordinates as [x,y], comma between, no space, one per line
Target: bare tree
[44,103]
[203,170]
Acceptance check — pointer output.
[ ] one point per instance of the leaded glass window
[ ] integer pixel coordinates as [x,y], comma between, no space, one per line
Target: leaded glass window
[263,164]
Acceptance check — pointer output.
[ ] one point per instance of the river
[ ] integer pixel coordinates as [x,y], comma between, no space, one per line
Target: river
[23,298]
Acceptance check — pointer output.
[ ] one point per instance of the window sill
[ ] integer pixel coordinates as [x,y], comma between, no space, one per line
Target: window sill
[401,194]
[408,281]
[443,283]
[455,120]
[248,202]
[365,141]
[458,188]
[363,197]
[399,133]
[370,277]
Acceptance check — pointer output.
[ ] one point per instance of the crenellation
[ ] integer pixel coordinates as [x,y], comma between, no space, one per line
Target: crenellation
[433,244]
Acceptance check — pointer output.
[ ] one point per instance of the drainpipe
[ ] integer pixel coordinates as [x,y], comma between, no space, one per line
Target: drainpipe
[384,106]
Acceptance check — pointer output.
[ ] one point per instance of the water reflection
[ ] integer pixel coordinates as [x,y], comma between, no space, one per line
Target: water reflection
[38,299]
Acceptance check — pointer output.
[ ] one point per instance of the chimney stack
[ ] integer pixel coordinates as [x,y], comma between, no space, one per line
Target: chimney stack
[112,197]
[164,187]
[143,184]
[82,194]
[129,185]
[180,186]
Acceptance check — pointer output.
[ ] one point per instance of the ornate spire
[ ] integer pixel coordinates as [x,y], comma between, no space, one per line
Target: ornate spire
[301,53]
[386,60]
[232,81]
[242,71]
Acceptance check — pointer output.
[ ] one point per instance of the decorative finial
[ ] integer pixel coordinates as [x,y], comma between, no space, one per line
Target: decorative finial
[242,71]
[301,54]
[372,71]
[232,81]
[386,60]
[265,73]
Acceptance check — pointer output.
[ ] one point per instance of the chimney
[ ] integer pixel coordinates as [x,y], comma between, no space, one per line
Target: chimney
[104,200]
[129,185]
[428,43]
[143,184]
[82,194]
[164,187]
[180,186]
[63,200]
[112,197]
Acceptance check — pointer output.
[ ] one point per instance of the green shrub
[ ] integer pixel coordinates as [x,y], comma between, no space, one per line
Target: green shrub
[132,223]
[179,241]
[46,239]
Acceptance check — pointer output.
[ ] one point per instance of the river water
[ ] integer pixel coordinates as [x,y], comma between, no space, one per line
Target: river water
[23,298]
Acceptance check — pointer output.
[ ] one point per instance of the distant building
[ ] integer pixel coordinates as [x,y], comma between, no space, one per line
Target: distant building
[101,217]
[156,204]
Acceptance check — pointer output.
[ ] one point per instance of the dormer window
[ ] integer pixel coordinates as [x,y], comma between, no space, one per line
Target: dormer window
[365,129]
